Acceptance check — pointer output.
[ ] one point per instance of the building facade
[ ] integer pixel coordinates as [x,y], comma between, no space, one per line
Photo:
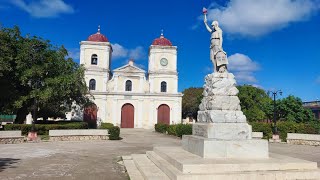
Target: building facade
[314,106]
[128,96]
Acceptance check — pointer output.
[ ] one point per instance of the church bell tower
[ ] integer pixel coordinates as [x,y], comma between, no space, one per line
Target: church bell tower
[163,76]
[95,55]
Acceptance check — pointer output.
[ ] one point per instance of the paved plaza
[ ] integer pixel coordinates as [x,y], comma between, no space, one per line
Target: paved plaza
[99,159]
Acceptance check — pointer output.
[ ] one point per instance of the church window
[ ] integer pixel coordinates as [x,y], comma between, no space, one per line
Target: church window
[128,85]
[94,59]
[163,86]
[92,84]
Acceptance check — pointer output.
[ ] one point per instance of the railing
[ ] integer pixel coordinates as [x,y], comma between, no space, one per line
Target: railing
[311,103]
[7,118]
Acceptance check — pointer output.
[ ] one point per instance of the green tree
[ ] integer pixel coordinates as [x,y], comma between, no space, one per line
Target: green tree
[291,109]
[190,102]
[255,103]
[33,69]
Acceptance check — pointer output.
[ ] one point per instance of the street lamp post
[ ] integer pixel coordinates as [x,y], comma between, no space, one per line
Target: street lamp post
[274,95]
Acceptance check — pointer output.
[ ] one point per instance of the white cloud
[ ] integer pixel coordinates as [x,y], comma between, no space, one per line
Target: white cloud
[260,17]
[137,53]
[44,8]
[241,62]
[119,51]
[243,68]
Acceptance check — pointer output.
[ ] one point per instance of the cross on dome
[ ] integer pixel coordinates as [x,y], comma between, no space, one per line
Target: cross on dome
[161,41]
[98,37]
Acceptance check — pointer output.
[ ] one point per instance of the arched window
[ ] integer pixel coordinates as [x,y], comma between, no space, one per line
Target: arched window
[92,84]
[94,59]
[163,86]
[128,85]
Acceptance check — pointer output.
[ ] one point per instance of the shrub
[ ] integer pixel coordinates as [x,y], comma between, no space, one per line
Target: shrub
[172,130]
[285,127]
[183,129]
[308,128]
[43,129]
[161,128]
[114,133]
[262,127]
[106,126]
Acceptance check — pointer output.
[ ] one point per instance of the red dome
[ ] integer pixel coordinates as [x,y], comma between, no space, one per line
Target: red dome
[98,37]
[161,41]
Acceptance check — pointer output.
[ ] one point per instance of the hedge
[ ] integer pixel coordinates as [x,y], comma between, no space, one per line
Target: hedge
[161,128]
[265,128]
[43,129]
[106,126]
[114,133]
[183,129]
[174,129]
[285,127]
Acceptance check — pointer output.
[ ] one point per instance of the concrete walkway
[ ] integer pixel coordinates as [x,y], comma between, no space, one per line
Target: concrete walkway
[98,159]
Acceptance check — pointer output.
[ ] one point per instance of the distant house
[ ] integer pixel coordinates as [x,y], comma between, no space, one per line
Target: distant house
[314,106]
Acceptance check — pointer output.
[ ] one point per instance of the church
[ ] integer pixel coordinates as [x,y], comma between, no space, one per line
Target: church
[128,96]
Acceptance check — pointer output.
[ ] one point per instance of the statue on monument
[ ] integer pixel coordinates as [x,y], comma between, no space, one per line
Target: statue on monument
[217,55]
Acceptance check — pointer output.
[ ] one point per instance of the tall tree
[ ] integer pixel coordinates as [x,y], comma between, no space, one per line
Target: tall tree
[190,102]
[291,109]
[255,103]
[33,69]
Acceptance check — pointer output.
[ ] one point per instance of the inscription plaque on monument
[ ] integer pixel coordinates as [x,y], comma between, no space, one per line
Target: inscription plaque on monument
[199,131]
[221,58]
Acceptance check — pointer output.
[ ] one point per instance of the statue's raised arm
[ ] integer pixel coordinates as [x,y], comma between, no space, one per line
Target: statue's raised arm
[206,23]
[217,55]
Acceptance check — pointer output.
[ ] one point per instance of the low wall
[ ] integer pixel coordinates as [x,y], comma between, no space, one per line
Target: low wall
[78,134]
[257,135]
[11,137]
[303,139]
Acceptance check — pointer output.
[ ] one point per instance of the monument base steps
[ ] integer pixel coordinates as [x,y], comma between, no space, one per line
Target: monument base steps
[132,169]
[177,164]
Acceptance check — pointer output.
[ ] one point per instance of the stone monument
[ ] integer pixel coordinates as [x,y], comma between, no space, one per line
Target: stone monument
[221,146]
[222,130]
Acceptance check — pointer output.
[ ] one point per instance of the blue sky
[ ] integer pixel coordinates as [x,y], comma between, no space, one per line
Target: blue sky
[270,44]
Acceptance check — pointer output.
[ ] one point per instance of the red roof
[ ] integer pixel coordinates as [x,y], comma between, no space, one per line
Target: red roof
[161,41]
[98,37]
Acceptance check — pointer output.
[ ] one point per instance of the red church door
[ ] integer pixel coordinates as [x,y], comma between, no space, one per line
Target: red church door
[90,115]
[127,116]
[164,114]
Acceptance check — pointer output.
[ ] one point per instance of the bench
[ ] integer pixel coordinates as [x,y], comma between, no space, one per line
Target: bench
[257,135]
[11,137]
[303,139]
[78,134]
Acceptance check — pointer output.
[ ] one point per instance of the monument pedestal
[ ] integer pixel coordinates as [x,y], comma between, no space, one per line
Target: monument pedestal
[212,148]
[220,147]
[176,163]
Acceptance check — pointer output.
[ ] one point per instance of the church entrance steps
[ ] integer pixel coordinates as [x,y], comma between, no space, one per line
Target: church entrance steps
[178,164]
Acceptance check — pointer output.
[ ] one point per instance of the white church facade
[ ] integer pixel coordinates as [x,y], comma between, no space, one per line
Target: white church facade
[128,96]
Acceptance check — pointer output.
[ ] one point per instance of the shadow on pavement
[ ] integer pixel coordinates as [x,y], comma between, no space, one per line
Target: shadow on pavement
[7,163]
